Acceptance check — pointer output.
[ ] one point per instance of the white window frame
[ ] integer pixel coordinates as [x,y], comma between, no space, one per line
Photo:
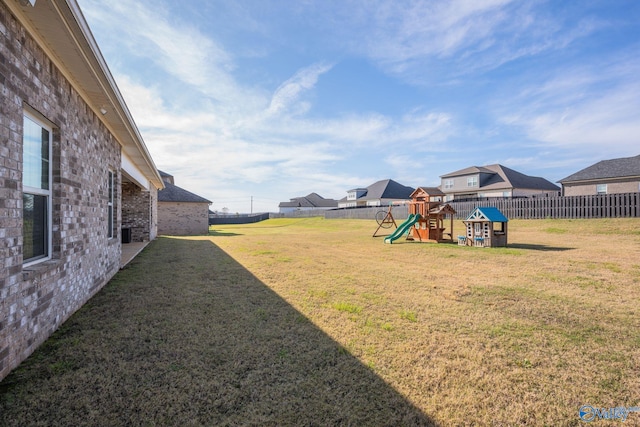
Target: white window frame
[600,187]
[472,181]
[448,183]
[110,204]
[44,124]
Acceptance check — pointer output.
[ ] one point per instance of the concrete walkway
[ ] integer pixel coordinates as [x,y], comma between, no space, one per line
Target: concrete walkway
[130,250]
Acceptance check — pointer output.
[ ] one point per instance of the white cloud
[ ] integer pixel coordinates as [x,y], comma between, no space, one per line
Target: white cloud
[289,92]
[586,108]
[222,136]
[179,49]
[439,41]
[578,115]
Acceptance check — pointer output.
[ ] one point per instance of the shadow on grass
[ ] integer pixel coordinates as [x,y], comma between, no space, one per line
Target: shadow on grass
[187,336]
[222,233]
[533,247]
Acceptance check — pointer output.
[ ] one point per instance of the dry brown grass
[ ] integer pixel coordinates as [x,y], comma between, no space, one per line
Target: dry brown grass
[503,336]
[313,321]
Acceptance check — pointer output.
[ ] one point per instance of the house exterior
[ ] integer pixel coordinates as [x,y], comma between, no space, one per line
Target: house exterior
[613,176]
[310,202]
[493,181]
[71,160]
[181,212]
[379,193]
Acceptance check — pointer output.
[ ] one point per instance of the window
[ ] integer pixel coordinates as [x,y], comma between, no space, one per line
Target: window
[36,186]
[472,181]
[110,221]
[448,183]
[601,189]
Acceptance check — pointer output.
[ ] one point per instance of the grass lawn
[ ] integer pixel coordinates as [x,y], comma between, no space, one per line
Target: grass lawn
[314,322]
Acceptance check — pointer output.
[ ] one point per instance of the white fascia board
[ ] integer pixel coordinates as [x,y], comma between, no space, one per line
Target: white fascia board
[133,173]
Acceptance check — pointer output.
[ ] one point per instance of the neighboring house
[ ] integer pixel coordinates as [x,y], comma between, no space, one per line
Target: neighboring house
[493,181]
[180,212]
[72,158]
[605,177]
[380,193]
[309,202]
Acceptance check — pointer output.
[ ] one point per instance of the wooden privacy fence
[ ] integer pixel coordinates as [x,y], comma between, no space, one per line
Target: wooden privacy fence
[570,207]
[567,207]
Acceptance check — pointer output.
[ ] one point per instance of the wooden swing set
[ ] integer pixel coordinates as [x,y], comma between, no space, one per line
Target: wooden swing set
[385,220]
[429,214]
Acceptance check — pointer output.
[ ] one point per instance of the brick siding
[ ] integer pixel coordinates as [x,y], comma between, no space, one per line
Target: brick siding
[613,187]
[137,212]
[183,219]
[35,301]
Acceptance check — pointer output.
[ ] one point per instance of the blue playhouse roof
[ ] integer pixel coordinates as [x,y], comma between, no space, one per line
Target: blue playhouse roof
[489,213]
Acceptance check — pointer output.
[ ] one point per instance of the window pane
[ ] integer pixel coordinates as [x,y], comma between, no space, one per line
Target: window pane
[34,228]
[35,155]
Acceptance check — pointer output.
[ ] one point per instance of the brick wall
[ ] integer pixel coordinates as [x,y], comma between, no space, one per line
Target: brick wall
[136,212]
[613,187]
[36,300]
[183,219]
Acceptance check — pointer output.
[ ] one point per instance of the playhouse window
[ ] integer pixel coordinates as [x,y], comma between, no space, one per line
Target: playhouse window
[36,184]
[498,227]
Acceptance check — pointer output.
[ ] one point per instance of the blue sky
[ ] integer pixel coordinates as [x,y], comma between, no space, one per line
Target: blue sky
[278,99]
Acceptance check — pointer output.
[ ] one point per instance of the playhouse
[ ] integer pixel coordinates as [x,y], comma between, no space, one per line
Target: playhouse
[429,219]
[485,227]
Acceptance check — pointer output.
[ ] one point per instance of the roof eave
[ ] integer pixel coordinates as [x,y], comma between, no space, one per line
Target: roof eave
[592,180]
[60,29]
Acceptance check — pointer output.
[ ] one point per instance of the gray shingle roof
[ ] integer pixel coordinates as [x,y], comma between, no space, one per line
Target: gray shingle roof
[606,169]
[468,171]
[520,180]
[173,193]
[504,177]
[312,200]
[388,189]
[385,189]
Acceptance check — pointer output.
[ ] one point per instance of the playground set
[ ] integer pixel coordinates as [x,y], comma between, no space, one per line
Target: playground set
[426,221]
[485,227]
